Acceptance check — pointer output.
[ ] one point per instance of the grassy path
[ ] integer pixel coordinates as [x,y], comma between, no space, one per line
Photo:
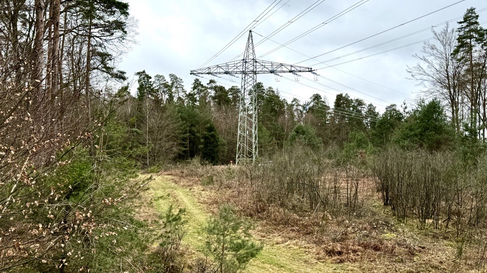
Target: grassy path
[273,258]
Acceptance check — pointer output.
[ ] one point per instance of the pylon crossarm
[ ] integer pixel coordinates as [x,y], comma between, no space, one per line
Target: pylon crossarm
[230,68]
[261,67]
[268,67]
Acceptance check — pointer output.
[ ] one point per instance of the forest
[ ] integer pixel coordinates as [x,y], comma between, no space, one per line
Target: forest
[74,139]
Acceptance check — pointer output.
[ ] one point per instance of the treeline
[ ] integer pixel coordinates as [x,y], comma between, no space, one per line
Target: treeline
[175,124]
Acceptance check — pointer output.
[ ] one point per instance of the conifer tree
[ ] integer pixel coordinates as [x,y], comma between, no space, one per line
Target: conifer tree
[471,51]
[210,151]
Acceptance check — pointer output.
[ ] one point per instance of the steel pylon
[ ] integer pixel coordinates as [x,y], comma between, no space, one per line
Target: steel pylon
[249,66]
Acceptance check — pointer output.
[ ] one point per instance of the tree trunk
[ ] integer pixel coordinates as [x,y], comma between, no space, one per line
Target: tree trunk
[62,103]
[37,75]
[55,9]
[14,19]
[87,78]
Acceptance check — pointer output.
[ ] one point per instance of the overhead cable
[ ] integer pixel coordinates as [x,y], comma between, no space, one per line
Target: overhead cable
[340,14]
[372,55]
[288,23]
[340,111]
[384,31]
[250,26]
[375,54]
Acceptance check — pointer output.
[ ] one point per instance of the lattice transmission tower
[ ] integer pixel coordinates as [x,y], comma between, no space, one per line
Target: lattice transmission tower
[249,66]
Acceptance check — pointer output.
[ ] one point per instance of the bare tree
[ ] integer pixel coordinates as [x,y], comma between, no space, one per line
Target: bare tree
[440,73]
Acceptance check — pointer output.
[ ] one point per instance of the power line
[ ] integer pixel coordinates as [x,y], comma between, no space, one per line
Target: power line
[384,31]
[340,14]
[340,111]
[392,40]
[340,69]
[288,23]
[375,54]
[263,20]
[250,26]
[395,39]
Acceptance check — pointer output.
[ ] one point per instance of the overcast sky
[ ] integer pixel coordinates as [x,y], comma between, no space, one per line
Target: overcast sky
[176,36]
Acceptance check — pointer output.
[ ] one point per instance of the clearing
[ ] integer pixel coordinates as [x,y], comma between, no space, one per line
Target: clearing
[316,242]
[276,255]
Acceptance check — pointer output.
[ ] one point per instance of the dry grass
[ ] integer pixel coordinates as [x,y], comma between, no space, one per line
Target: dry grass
[370,240]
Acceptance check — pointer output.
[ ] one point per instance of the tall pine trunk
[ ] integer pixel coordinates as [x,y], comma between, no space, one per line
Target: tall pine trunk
[37,75]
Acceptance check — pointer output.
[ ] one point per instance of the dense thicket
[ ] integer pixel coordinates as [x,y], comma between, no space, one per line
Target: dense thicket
[65,163]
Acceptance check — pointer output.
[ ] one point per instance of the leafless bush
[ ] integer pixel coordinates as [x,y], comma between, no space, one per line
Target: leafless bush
[433,188]
[301,180]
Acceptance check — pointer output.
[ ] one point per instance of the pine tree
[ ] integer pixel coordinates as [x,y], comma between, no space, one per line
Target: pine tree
[470,50]
[229,241]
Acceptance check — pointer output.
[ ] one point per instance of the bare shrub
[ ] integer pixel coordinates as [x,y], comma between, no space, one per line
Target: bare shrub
[291,179]
[432,187]
[301,180]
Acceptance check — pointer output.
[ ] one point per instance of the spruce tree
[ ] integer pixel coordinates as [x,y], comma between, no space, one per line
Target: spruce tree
[210,152]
